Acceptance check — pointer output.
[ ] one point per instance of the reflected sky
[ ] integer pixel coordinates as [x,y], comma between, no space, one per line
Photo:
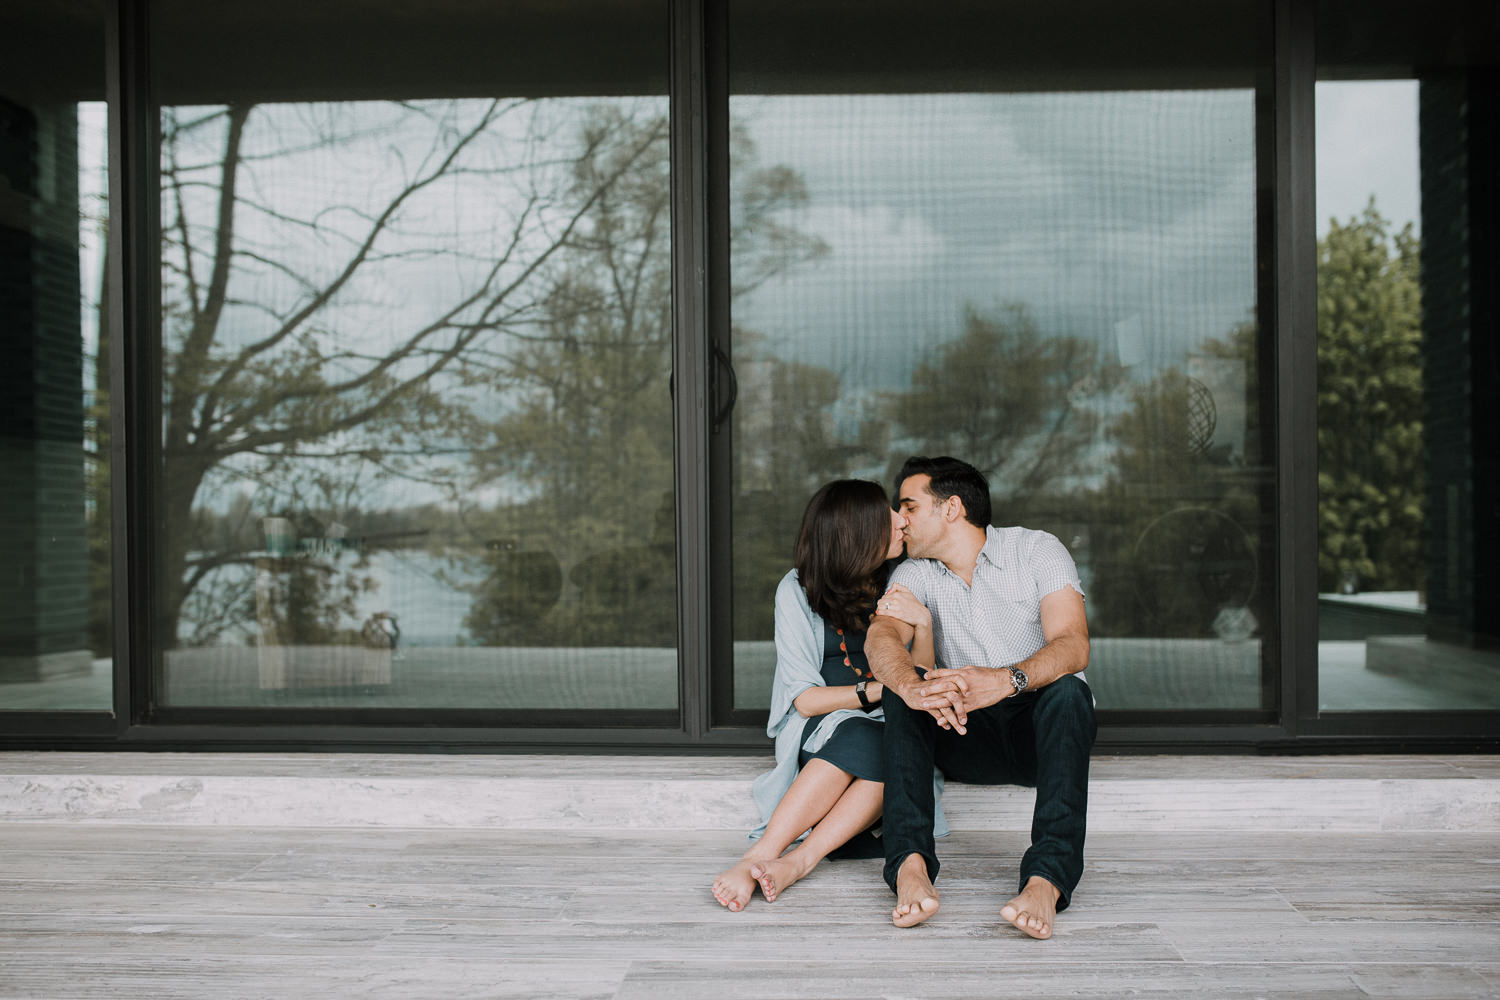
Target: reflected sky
[1367,145]
[1123,218]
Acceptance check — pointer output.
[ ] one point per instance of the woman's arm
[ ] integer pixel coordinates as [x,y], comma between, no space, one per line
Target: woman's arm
[820,700]
[923,653]
[799,651]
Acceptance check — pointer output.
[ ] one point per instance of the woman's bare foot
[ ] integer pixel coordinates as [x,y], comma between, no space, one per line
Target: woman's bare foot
[916,899]
[779,874]
[734,887]
[1035,908]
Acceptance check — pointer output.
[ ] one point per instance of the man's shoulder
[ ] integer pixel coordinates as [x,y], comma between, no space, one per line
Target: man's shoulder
[1017,531]
[1030,550]
[1016,538]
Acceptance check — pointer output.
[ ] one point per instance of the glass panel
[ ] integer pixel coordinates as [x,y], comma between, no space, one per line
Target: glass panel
[55,634]
[1407,483]
[416,413]
[1041,260]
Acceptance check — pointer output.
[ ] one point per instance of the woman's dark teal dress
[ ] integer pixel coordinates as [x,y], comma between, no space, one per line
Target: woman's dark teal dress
[854,747]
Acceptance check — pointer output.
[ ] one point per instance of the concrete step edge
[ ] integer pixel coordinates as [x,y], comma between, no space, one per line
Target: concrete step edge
[684,800]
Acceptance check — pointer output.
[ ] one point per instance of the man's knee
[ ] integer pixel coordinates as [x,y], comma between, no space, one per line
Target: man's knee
[895,708]
[901,719]
[1068,697]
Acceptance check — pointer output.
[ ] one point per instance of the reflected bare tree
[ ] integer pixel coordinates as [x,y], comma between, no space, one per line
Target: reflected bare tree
[304,331]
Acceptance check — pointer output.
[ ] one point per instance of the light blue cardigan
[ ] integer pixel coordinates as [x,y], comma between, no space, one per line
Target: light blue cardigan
[799,659]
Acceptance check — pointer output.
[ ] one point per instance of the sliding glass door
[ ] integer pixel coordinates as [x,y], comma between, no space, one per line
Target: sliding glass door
[415,415]
[998,239]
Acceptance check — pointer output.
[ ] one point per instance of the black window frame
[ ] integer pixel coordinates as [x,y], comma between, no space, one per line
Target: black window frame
[705,721]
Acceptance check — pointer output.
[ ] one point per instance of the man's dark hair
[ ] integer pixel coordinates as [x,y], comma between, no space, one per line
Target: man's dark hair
[951,478]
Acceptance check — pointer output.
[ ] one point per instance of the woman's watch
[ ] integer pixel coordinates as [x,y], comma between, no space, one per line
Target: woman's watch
[864,699]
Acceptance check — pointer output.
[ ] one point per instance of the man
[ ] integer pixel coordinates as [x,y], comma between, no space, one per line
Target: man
[1006,702]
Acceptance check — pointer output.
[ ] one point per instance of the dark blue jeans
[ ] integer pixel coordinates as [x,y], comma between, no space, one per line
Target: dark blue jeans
[1039,739]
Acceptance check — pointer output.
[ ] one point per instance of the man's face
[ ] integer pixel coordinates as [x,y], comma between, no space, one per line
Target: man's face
[925,524]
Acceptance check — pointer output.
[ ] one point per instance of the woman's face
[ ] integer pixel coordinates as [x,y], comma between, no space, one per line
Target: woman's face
[898,538]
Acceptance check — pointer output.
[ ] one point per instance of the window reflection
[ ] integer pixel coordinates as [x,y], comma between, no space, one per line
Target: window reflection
[416,419]
[1060,288]
[1401,620]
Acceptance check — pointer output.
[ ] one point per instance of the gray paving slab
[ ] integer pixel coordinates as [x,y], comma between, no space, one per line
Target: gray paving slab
[168,912]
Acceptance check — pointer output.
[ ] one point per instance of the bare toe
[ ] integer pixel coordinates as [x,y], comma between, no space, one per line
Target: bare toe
[912,914]
[1033,911]
[1027,922]
[916,899]
[767,879]
[779,874]
[734,887]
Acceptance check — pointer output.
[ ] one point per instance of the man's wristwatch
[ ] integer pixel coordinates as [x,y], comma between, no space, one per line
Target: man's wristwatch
[1018,678]
[864,699]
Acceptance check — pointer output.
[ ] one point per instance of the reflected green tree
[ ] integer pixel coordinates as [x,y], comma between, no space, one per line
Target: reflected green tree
[1370,461]
[584,552]
[786,445]
[1175,528]
[1001,395]
[584,448]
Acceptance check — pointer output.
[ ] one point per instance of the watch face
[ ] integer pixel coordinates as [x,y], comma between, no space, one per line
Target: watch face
[1019,679]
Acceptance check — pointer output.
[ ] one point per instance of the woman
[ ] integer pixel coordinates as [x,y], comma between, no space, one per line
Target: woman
[825,706]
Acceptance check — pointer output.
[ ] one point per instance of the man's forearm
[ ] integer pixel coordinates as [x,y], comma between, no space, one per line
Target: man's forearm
[885,648]
[1064,655]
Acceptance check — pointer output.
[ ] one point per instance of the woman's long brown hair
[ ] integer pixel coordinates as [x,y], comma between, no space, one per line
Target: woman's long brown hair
[846,532]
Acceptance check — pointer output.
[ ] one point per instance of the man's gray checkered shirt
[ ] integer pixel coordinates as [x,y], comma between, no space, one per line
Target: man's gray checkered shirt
[997,621]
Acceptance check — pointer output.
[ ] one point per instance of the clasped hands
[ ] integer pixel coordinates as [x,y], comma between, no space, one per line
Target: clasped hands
[949,695]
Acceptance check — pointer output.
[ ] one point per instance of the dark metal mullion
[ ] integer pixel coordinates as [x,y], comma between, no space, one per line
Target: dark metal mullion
[691,361]
[1295,270]
[721,441]
[133,297]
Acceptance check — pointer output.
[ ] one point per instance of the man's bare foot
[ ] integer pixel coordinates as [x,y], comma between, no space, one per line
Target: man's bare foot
[734,887]
[779,874]
[1035,908]
[916,899]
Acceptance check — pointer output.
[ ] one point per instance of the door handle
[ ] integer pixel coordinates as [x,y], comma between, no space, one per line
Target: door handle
[726,388]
